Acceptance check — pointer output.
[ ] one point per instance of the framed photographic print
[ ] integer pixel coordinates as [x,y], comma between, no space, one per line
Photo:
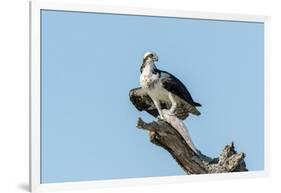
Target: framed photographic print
[127,96]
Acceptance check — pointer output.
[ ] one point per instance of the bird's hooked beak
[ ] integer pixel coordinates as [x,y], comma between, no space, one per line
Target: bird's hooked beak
[155,58]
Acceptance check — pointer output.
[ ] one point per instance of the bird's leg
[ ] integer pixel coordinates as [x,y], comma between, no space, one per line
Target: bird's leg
[158,107]
[174,104]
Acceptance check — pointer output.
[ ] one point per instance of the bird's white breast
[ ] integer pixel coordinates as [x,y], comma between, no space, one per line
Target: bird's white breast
[147,78]
[152,85]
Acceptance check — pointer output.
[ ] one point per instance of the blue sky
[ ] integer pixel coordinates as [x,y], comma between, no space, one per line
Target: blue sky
[89,62]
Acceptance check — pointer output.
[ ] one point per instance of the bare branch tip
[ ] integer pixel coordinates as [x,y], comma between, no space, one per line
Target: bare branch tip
[140,123]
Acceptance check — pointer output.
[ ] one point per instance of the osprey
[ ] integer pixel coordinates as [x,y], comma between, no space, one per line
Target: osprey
[164,88]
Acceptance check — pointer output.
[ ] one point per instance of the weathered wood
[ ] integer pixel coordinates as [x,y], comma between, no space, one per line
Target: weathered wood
[168,137]
[164,135]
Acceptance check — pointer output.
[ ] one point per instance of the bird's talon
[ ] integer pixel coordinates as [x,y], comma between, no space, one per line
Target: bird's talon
[169,112]
[161,118]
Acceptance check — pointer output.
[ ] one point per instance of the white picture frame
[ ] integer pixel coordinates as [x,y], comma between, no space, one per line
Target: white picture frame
[36,6]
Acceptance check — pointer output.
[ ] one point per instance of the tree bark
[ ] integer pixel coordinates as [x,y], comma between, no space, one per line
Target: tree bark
[164,135]
[169,137]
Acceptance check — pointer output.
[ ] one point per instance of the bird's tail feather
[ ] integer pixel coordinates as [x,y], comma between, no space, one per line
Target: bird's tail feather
[197,104]
[194,111]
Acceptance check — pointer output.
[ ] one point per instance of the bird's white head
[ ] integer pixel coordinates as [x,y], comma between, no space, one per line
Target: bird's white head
[150,55]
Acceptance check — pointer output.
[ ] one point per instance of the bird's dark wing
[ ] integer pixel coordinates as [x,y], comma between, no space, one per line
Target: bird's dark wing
[143,102]
[175,86]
